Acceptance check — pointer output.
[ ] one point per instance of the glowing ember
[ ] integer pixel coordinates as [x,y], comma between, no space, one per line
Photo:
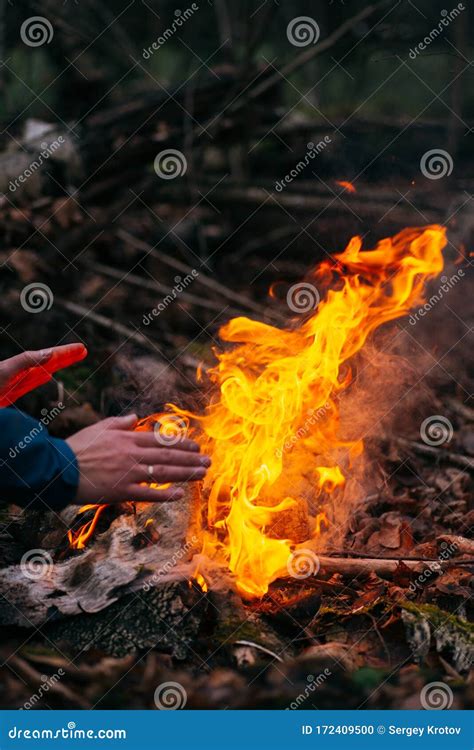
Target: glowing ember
[346,185]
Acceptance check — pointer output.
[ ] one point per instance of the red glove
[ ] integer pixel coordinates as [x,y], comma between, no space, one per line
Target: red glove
[26,371]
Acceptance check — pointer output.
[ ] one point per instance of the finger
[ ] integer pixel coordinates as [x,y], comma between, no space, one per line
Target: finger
[163,474]
[13,391]
[139,492]
[170,457]
[127,422]
[54,358]
[65,356]
[149,439]
[29,370]
[24,361]
[18,377]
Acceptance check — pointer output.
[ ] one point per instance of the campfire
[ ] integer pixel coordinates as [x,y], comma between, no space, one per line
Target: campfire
[258,224]
[282,468]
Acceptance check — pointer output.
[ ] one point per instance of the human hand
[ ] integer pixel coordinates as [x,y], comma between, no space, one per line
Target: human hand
[115,461]
[26,371]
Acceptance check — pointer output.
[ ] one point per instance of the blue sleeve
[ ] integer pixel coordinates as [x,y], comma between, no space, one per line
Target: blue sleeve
[36,470]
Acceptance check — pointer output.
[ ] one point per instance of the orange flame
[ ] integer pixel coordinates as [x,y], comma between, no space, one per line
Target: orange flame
[201,581]
[272,423]
[79,538]
[263,444]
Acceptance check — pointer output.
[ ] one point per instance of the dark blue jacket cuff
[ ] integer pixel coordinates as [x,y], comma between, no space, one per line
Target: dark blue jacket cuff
[36,470]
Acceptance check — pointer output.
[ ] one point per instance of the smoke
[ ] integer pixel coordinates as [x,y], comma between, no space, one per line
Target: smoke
[145,385]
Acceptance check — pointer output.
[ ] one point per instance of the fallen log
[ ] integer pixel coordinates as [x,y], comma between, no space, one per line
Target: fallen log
[383,567]
[114,565]
[166,617]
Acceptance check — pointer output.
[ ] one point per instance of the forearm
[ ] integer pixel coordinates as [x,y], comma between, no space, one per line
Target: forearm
[35,469]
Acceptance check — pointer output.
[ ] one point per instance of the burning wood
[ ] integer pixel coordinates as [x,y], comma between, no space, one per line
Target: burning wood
[79,538]
[276,466]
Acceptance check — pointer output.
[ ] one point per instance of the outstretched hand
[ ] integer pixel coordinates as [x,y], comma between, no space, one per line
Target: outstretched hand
[118,463]
[26,371]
